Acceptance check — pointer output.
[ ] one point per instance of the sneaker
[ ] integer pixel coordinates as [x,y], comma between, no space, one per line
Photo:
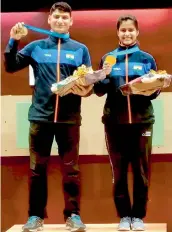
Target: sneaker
[137,224]
[74,223]
[124,224]
[33,224]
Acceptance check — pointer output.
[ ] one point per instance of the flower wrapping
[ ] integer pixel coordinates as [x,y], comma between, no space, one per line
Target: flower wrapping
[147,84]
[83,76]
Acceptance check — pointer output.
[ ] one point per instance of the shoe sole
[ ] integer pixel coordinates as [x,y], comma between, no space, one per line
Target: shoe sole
[138,229]
[33,230]
[76,229]
[124,229]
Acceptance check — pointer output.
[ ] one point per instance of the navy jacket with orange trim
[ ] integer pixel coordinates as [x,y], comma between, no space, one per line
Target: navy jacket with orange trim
[42,56]
[116,107]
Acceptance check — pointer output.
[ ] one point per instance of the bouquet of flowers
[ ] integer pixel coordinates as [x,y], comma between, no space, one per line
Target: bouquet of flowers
[147,84]
[83,76]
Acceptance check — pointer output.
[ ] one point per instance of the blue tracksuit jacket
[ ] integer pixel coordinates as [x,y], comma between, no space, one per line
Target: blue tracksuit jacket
[42,56]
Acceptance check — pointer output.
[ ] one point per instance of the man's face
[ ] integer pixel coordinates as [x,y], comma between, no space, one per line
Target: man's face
[127,33]
[60,21]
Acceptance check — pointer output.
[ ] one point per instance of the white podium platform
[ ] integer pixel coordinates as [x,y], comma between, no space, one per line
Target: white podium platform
[150,227]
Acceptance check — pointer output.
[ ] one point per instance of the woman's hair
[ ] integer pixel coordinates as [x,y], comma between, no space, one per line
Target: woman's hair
[61,6]
[125,18]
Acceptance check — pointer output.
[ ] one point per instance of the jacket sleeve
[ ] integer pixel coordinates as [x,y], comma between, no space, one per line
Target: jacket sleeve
[15,60]
[86,57]
[101,87]
[154,67]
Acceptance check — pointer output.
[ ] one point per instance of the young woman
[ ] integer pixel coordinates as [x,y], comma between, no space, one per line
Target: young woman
[128,123]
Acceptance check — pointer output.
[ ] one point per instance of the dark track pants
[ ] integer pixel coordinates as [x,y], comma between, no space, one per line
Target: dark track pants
[130,143]
[41,137]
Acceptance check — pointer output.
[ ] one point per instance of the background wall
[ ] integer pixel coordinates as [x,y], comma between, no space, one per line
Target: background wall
[97,30]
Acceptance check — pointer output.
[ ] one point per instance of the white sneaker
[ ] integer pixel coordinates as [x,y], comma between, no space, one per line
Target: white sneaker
[137,224]
[125,224]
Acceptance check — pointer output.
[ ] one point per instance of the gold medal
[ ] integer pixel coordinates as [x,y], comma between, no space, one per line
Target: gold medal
[23,31]
[110,60]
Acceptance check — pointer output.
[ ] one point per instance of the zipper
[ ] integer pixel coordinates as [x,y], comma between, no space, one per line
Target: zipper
[128,96]
[58,79]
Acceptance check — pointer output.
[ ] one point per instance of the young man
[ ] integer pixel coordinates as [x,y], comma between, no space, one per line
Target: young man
[48,59]
[128,123]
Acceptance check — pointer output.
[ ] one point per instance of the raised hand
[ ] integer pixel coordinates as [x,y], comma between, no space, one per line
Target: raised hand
[18,31]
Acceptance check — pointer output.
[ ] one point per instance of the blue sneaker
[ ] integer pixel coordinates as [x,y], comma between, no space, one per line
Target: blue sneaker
[74,223]
[137,224]
[125,224]
[33,224]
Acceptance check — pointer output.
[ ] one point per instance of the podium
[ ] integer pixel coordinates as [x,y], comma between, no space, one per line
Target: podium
[150,227]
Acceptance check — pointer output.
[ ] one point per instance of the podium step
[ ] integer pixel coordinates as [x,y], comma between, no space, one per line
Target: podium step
[150,227]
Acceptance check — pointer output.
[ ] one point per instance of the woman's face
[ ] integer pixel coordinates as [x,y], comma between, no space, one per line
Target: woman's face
[127,33]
